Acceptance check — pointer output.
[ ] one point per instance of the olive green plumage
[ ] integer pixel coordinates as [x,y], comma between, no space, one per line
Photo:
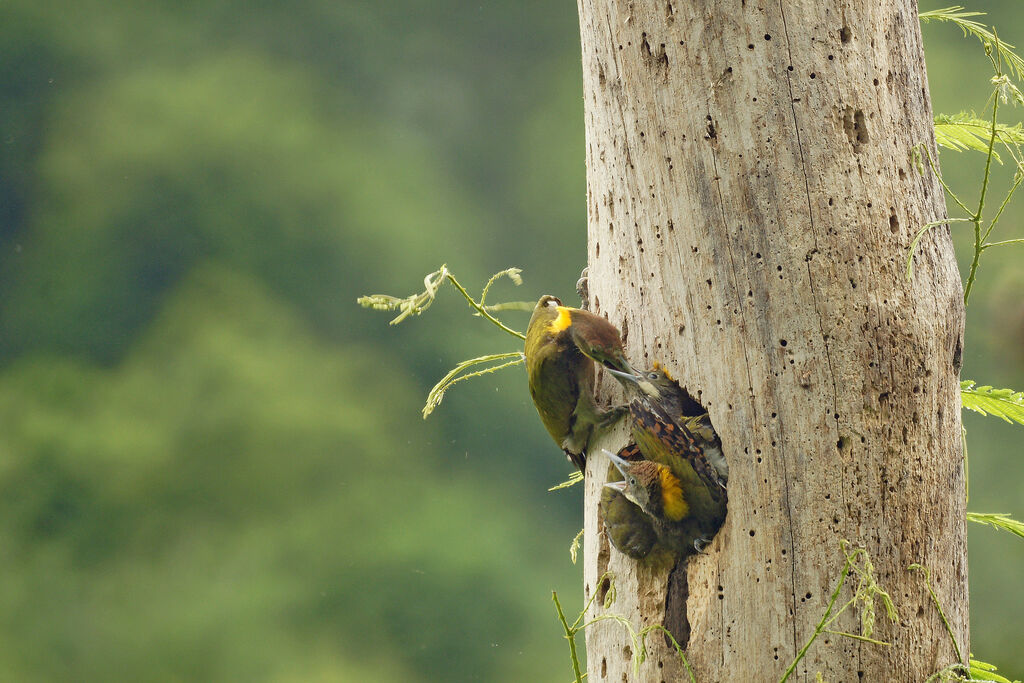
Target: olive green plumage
[628,527]
[560,343]
[652,489]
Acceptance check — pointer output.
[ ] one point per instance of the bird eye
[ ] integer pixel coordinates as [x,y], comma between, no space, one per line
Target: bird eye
[632,481]
[652,375]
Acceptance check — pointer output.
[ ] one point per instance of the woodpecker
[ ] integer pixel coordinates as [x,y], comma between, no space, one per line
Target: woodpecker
[659,385]
[629,528]
[676,485]
[707,440]
[663,415]
[560,344]
[655,489]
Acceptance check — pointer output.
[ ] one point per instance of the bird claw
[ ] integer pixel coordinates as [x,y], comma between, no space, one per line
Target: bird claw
[699,544]
[612,415]
[583,289]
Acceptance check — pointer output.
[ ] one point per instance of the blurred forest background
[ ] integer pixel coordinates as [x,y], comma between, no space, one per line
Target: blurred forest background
[212,462]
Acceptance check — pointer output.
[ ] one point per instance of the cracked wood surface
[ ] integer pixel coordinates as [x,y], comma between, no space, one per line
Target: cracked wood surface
[751,198]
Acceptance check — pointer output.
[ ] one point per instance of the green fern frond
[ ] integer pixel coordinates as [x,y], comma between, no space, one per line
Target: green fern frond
[1005,403]
[513,274]
[574,547]
[957,15]
[413,304]
[966,131]
[999,521]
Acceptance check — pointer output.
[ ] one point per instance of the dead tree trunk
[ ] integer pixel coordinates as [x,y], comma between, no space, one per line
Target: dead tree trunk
[751,200]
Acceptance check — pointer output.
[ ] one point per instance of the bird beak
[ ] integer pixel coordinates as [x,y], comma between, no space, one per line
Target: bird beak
[637,380]
[619,486]
[623,376]
[621,464]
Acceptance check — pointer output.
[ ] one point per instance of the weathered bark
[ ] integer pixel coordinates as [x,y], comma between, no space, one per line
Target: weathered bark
[751,200]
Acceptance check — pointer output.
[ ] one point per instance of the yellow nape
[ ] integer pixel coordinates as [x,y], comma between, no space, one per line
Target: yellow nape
[659,366]
[672,500]
[562,322]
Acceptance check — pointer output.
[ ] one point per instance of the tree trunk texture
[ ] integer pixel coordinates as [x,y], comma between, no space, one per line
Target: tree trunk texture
[751,200]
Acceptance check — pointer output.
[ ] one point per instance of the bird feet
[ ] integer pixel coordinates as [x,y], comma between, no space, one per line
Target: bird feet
[583,289]
[610,417]
[700,543]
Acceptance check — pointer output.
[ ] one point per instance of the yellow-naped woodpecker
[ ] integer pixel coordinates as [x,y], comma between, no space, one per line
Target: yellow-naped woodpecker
[560,343]
[679,488]
[630,529]
[661,415]
[664,500]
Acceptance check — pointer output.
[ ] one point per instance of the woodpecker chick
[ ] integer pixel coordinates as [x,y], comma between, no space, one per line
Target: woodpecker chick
[661,412]
[560,343]
[629,528]
[664,440]
[654,489]
[660,386]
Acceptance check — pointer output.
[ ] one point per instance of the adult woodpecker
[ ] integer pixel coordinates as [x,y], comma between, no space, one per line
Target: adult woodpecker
[560,344]
[629,528]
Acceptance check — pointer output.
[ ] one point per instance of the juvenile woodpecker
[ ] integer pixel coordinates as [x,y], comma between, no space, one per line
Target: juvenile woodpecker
[680,489]
[629,528]
[663,498]
[666,418]
[661,387]
[560,343]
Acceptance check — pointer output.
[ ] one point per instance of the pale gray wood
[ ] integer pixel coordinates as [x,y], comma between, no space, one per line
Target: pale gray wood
[751,199]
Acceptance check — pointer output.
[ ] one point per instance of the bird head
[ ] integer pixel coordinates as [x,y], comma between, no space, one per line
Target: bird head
[544,313]
[650,486]
[646,383]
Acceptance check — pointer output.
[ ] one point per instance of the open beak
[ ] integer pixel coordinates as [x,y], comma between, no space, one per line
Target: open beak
[619,486]
[621,464]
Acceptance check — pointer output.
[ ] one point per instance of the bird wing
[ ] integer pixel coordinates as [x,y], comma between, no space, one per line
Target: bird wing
[664,440]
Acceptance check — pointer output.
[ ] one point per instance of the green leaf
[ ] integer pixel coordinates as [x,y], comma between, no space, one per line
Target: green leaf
[1005,403]
[998,520]
[574,478]
[966,131]
[983,671]
[957,15]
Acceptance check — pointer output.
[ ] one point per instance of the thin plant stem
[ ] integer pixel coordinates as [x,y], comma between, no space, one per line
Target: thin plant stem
[947,188]
[1006,200]
[482,310]
[825,617]
[978,240]
[1004,242]
[921,233]
[570,635]
[857,637]
[935,599]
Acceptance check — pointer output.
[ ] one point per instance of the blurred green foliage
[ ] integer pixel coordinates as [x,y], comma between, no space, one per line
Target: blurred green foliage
[212,465]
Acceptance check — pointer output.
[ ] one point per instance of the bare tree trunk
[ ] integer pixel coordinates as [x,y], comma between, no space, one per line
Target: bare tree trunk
[751,200]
